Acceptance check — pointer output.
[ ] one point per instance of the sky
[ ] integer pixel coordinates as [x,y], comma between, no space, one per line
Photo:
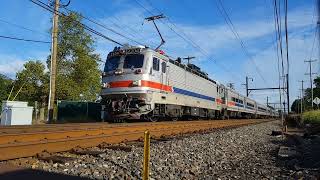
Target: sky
[201,24]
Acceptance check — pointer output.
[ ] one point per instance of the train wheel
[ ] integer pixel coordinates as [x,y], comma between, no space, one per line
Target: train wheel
[151,118]
[174,119]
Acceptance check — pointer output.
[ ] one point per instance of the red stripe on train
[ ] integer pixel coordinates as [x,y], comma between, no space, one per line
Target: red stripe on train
[156,85]
[144,83]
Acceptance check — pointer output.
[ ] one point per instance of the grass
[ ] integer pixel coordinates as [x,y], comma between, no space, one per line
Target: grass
[311,117]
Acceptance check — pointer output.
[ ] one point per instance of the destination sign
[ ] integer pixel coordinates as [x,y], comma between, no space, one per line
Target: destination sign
[124,52]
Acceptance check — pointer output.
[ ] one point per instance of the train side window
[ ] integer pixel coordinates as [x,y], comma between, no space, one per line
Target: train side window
[163,67]
[156,64]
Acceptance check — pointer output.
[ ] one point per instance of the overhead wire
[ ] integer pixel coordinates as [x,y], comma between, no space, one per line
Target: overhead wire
[286,33]
[22,27]
[187,39]
[22,39]
[105,27]
[47,7]
[228,20]
[316,31]
[278,23]
[279,32]
[287,45]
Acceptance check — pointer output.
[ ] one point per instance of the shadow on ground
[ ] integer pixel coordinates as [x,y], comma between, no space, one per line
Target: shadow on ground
[14,173]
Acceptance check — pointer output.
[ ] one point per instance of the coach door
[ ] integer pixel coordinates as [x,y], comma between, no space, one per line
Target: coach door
[163,77]
[222,94]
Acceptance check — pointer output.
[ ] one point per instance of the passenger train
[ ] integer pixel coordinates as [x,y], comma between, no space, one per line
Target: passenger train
[141,83]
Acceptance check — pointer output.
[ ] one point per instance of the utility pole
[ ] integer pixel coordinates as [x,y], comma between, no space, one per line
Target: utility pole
[53,68]
[267,100]
[189,58]
[302,95]
[310,76]
[297,108]
[230,85]
[247,84]
[288,97]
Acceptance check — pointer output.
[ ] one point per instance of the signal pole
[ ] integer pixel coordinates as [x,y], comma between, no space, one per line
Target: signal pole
[53,68]
[189,58]
[302,95]
[297,108]
[310,76]
[247,84]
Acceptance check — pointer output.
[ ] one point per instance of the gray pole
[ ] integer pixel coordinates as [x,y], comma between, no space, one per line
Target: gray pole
[302,96]
[247,86]
[311,81]
[288,97]
[53,67]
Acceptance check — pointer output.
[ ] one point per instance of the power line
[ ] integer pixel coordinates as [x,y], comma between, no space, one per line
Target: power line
[287,49]
[105,27]
[278,32]
[45,6]
[22,39]
[286,33]
[227,19]
[187,39]
[22,27]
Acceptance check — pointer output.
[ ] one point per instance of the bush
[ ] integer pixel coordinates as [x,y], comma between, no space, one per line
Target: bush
[311,117]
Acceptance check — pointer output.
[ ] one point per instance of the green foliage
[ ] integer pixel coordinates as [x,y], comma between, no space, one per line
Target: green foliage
[307,100]
[33,82]
[296,106]
[311,117]
[78,70]
[5,87]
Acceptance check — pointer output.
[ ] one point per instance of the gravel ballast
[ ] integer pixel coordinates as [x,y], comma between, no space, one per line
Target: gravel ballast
[247,152]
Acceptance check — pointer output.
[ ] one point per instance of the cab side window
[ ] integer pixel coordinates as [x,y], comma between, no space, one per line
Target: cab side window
[155,64]
[163,67]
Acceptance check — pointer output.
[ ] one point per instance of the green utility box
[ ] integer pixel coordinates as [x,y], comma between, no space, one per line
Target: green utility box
[78,112]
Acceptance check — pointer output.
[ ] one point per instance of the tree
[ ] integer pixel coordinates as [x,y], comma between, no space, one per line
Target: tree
[5,88]
[33,81]
[77,68]
[296,106]
[307,96]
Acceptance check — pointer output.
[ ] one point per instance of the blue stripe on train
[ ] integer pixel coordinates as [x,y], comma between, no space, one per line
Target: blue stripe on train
[248,107]
[193,94]
[239,105]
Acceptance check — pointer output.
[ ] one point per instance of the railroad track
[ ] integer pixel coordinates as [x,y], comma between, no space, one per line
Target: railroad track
[25,141]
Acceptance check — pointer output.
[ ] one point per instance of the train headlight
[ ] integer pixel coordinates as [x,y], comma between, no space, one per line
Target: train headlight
[118,72]
[105,85]
[138,71]
[104,74]
[136,83]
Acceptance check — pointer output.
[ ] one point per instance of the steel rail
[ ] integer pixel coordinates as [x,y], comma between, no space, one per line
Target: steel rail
[14,146]
[49,127]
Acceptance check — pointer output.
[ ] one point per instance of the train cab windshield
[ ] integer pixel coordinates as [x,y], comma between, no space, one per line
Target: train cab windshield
[133,61]
[112,64]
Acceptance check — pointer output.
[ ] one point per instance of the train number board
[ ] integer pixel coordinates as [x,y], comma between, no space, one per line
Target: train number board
[124,52]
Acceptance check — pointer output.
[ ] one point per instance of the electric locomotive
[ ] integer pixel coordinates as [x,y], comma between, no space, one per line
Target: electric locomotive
[141,83]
